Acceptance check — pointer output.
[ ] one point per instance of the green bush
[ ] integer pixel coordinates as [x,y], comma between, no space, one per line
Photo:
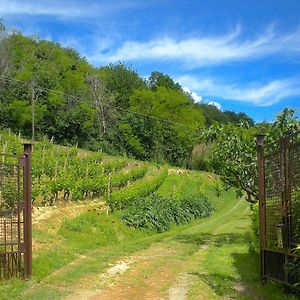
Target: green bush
[293,269]
[160,213]
[9,194]
[296,216]
[120,199]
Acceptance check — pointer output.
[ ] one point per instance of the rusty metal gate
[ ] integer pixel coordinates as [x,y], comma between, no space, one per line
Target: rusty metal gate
[15,215]
[279,209]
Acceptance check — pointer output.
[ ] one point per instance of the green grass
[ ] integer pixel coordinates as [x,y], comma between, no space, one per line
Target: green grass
[214,250]
[92,234]
[225,265]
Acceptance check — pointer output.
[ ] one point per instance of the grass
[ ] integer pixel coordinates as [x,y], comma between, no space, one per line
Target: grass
[213,251]
[94,235]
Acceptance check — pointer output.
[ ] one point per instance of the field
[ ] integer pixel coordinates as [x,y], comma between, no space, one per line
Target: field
[82,250]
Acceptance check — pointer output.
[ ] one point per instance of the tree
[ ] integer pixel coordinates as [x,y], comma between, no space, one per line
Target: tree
[233,156]
[157,79]
[73,102]
[168,104]
[237,118]
[286,124]
[121,81]
[233,153]
[4,50]
[100,97]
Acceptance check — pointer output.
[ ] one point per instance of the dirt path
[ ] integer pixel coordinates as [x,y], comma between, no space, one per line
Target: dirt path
[176,267]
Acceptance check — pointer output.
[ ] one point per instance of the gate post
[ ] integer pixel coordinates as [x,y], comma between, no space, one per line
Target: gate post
[27,212]
[287,191]
[262,200]
[286,195]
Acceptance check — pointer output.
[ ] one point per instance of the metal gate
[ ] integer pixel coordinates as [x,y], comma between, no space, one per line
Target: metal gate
[279,209]
[15,215]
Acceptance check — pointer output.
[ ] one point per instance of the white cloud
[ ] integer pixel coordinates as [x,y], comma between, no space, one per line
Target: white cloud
[195,96]
[53,8]
[199,51]
[256,93]
[216,104]
[199,98]
[66,8]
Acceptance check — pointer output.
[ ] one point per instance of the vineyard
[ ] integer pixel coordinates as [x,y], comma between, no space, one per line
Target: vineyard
[91,211]
[68,174]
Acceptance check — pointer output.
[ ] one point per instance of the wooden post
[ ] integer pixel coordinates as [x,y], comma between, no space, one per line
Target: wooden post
[43,160]
[108,192]
[286,195]
[262,200]
[27,211]
[32,111]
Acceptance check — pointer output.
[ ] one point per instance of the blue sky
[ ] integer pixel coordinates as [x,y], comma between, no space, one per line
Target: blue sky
[243,55]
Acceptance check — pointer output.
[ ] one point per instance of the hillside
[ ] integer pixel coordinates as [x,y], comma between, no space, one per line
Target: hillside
[71,219]
[110,108]
[83,250]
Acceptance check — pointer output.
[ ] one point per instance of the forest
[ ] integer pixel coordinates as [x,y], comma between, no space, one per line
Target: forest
[111,108]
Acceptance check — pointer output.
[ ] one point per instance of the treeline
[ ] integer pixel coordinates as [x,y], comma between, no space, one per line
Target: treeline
[110,108]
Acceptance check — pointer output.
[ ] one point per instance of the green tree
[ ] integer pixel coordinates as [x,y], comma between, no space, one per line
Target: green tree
[4,52]
[234,153]
[168,104]
[157,79]
[121,81]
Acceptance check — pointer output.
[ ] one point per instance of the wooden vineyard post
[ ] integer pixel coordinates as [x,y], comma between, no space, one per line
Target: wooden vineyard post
[27,212]
[108,191]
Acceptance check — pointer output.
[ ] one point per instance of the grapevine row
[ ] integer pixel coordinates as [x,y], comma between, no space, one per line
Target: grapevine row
[119,199]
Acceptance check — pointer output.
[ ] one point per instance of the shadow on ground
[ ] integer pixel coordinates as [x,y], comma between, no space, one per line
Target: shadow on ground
[245,283]
[217,240]
[221,282]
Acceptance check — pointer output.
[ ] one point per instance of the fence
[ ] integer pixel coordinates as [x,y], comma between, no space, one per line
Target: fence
[279,209]
[15,215]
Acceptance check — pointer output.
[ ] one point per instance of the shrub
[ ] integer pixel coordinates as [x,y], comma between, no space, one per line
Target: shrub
[9,194]
[160,213]
[120,199]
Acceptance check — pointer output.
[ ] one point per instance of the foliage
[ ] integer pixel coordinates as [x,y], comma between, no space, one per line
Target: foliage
[234,157]
[293,269]
[158,79]
[286,124]
[160,213]
[121,81]
[166,103]
[4,51]
[9,193]
[97,108]
[120,199]
[234,153]
[67,173]
[214,115]
[199,159]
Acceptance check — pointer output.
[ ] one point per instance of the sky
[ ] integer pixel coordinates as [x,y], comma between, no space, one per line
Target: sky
[242,56]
